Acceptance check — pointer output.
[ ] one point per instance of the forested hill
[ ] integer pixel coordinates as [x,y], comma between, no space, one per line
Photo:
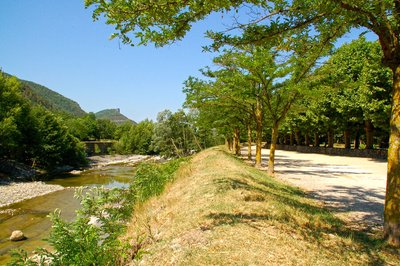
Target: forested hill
[113,115]
[50,99]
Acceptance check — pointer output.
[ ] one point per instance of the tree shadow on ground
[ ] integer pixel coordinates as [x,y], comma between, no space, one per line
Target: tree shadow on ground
[321,221]
[368,202]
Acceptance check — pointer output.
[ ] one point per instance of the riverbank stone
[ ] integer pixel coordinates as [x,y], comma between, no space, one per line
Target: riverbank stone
[17,236]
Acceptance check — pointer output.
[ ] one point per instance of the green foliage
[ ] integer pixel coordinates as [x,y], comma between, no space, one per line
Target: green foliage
[50,100]
[106,129]
[147,23]
[175,135]
[150,178]
[89,127]
[13,117]
[31,134]
[351,88]
[93,238]
[53,145]
[363,84]
[136,139]
[122,129]
[84,128]
[296,25]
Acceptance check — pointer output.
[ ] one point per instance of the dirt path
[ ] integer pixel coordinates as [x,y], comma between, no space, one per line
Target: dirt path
[353,187]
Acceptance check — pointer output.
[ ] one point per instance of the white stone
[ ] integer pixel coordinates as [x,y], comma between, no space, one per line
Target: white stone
[17,236]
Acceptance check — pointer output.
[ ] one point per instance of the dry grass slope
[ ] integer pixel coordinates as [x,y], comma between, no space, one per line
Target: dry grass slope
[220,211]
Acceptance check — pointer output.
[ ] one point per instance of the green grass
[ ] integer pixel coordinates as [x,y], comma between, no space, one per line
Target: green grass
[221,211]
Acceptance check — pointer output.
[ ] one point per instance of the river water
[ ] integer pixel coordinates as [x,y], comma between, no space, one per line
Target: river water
[30,216]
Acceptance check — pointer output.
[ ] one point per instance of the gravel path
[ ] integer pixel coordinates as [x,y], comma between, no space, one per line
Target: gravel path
[354,188]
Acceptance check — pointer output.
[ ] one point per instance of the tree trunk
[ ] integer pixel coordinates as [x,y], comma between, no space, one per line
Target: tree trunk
[249,141]
[307,139]
[271,162]
[357,139]
[229,143]
[297,137]
[392,201]
[346,134]
[369,132]
[259,120]
[196,140]
[236,141]
[316,139]
[291,138]
[330,138]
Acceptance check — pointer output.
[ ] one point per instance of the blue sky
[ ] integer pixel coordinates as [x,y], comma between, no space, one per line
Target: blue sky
[56,44]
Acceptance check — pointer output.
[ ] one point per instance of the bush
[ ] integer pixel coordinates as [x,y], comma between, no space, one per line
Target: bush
[94,237]
[51,143]
[151,179]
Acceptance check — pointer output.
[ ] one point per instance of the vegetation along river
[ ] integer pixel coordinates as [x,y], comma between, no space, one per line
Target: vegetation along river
[30,216]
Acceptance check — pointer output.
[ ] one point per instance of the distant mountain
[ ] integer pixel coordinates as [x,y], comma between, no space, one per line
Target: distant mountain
[49,99]
[114,115]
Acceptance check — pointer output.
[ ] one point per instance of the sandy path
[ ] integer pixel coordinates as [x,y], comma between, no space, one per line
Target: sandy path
[352,187]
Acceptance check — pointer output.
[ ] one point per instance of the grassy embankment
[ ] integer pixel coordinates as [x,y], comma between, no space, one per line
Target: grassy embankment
[221,211]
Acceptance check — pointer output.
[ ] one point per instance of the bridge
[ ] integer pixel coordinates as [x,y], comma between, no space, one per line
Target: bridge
[98,147]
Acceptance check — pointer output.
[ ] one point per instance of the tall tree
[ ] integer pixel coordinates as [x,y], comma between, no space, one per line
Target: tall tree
[14,120]
[224,99]
[261,65]
[320,21]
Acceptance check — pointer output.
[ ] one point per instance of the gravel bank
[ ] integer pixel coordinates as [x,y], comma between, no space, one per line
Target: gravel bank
[18,191]
[105,160]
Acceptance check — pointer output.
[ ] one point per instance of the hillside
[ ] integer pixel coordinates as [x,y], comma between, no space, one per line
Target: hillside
[221,211]
[50,99]
[113,115]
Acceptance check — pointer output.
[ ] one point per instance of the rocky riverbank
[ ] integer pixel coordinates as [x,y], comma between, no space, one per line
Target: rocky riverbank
[105,160]
[12,190]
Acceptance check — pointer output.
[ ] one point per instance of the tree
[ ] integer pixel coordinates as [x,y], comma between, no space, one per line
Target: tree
[174,134]
[249,91]
[137,140]
[320,21]
[88,128]
[276,92]
[53,145]
[230,99]
[106,129]
[32,135]
[13,113]
[363,85]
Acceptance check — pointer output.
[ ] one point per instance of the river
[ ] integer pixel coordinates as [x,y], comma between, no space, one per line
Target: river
[30,216]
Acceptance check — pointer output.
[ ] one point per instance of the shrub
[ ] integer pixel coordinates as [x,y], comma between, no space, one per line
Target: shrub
[93,238]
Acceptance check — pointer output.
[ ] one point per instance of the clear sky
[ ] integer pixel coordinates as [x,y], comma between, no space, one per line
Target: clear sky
[55,43]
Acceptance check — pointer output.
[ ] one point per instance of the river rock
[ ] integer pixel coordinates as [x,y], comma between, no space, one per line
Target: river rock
[17,236]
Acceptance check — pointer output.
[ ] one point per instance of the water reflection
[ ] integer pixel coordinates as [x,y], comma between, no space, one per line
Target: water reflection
[110,177]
